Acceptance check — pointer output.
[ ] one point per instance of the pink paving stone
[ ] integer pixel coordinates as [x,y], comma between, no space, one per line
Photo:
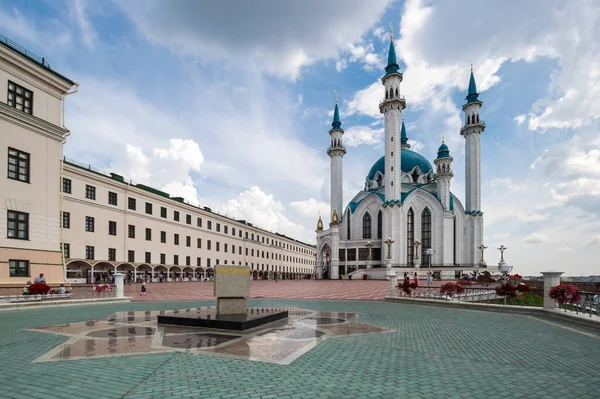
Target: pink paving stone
[369,290]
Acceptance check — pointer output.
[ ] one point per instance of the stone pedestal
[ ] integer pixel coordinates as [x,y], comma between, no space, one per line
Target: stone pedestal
[369,264]
[417,263]
[232,287]
[550,280]
[392,276]
[120,286]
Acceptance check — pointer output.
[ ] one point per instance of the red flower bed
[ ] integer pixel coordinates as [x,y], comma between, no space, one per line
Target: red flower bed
[522,287]
[515,277]
[102,287]
[507,289]
[39,288]
[451,289]
[465,283]
[565,293]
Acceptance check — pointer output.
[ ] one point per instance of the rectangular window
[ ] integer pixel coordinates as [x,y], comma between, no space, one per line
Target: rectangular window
[225,230]
[225,261]
[18,268]
[131,203]
[176,239]
[163,237]
[66,185]
[131,231]
[209,224]
[217,262]
[218,248]
[176,259]
[89,252]
[208,244]
[176,216]
[218,227]
[66,250]
[208,262]
[66,220]
[163,212]
[112,198]
[246,251]
[130,256]
[252,252]
[112,228]
[148,234]
[199,222]
[199,243]
[240,234]
[148,257]
[163,259]
[188,219]
[112,254]
[20,98]
[188,261]
[233,249]
[188,241]
[198,261]
[89,224]
[90,192]
[224,247]
[148,208]
[233,231]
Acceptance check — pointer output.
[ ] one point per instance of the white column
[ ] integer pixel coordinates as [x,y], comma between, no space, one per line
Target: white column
[393,277]
[550,280]
[120,290]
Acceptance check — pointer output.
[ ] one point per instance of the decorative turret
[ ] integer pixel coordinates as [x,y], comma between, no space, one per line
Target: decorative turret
[320,224]
[472,95]
[392,66]
[336,152]
[334,218]
[403,136]
[443,174]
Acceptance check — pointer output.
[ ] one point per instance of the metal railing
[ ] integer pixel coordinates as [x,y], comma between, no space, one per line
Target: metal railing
[15,46]
[16,295]
[588,305]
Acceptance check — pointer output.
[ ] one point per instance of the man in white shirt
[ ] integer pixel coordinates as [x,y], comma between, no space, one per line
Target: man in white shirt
[40,279]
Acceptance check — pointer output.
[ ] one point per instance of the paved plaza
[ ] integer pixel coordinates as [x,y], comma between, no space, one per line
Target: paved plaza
[380,350]
[367,290]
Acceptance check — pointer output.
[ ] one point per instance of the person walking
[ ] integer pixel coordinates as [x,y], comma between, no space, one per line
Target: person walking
[416,279]
[143,289]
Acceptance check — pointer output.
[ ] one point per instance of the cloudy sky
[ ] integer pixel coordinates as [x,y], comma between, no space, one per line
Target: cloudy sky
[228,104]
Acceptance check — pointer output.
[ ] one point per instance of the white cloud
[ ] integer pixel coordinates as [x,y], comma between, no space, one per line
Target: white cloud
[536,238]
[520,119]
[358,135]
[594,241]
[532,216]
[415,145]
[566,249]
[311,208]
[79,13]
[279,37]
[262,210]
[506,183]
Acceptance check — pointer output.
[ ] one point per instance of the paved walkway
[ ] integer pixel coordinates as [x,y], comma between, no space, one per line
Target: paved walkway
[433,352]
[368,290]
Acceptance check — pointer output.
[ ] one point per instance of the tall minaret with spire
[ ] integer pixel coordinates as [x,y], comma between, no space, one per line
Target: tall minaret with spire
[472,130]
[391,107]
[336,152]
[443,174]
[403,136]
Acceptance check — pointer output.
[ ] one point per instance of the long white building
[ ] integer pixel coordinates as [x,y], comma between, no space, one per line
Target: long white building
[71,222]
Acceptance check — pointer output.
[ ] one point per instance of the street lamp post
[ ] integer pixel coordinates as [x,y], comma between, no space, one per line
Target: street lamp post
[504,269]
[429,252]
[391,274]
[369,258]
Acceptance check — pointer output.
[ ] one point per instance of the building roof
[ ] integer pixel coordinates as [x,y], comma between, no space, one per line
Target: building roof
[392,66]
[409,160]
[443,151]
[41,61]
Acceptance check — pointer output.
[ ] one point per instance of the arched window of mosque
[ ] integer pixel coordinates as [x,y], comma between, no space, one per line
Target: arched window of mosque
[348,224]
[379,224]
[392,138]
[392,169]
[396,92]
[386,94]
[425,233]
[415,176]
[391,183]
[366,226]
[477,118]
[410,236]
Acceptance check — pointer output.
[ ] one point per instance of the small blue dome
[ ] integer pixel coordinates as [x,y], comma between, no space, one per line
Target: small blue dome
[410,159]
[443,151]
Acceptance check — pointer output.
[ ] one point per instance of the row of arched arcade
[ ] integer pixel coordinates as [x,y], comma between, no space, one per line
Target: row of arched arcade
[80,271]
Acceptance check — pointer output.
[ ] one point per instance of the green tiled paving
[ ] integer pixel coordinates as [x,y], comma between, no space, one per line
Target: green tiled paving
[435,352]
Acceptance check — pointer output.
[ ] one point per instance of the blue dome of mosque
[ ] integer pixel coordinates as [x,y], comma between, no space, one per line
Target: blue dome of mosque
[410,159]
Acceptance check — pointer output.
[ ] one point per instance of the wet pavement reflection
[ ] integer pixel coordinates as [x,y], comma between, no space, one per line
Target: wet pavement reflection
[137,333]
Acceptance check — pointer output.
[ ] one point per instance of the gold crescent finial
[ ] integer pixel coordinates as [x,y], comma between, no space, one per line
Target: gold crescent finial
[336,96]
[391,31]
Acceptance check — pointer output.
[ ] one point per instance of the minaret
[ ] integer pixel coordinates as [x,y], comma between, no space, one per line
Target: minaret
[403,136]
[443,174]
[336,152]
[472,130]
[391,107]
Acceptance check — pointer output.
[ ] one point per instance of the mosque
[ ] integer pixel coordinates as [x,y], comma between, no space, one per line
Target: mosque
[406,215]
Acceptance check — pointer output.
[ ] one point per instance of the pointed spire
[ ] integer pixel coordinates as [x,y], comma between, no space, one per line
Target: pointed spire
[337,123]
[320,223]
[334,217]
[392,66]
[403,136]
[472,95]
